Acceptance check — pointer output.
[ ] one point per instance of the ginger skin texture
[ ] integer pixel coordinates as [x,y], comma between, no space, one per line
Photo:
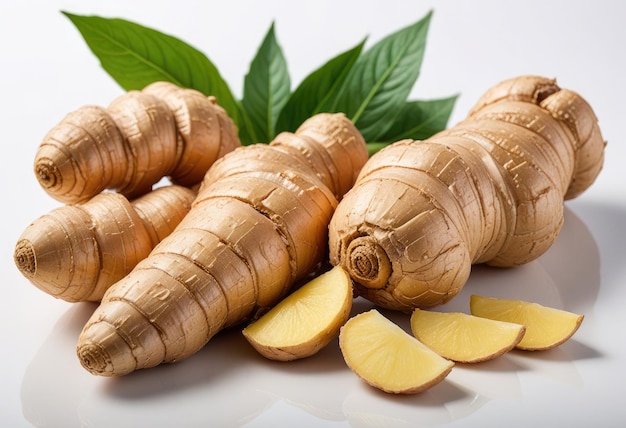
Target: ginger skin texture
[489,190]
[141,137]
[258,225]
[75,252]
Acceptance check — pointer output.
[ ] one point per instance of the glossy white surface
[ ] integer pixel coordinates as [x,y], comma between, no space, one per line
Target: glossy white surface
[47,71]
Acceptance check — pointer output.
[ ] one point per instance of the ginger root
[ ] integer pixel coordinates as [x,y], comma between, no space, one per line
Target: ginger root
[258,225]
[141,137]
[488,190]
[546,327]
[388,358]
[305,321]
[75,252]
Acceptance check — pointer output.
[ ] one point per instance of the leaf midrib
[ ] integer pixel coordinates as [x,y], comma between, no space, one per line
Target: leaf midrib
[375,88]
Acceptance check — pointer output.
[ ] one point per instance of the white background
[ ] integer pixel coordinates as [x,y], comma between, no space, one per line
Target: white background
[47,71]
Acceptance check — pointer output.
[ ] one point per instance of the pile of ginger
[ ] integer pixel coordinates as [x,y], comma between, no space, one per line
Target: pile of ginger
[240,227]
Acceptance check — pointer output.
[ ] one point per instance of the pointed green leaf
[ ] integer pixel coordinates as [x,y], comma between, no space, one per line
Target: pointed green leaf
[135,56]
[419,120]
[382,79]
[266,88]
[317,92]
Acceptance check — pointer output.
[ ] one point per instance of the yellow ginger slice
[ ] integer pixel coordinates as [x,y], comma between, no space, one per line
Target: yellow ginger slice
[305,321]
[546,327]
[387,357]
[465,338]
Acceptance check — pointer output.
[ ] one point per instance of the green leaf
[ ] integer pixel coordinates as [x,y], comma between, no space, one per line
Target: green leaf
[317,92]
[419,120]
[382,79]
[266,88]
[246,136]
[375,147]
[135,56]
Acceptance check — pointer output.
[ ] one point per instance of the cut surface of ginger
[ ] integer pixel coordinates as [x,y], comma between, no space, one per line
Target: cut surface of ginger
[465,338]
[546,327]
[306,320]
[387,357]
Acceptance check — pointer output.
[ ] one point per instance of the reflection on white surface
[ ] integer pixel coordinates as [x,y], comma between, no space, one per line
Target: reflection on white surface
[495,379]
[229,384]
[364,408]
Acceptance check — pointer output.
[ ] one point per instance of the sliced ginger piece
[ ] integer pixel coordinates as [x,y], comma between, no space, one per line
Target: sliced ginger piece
[465,338]
[546,327]
[306,320]
[387,357]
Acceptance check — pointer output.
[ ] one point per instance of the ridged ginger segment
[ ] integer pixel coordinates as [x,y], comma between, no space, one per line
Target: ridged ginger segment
[258,225]
[306,320]
[465,338]
[490,190]
[142,136]
[387,357]
[75,252]
[546,327]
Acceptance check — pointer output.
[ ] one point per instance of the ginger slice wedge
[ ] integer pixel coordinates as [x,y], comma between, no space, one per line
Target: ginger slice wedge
[305,321]
[465,338]
[546,327]
[387,357]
